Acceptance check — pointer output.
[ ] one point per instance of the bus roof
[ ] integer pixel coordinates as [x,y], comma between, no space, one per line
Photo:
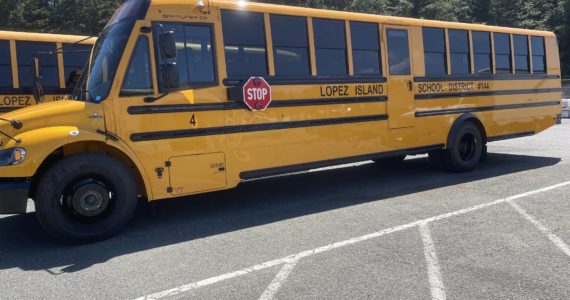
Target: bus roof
[45,37]
[343,15]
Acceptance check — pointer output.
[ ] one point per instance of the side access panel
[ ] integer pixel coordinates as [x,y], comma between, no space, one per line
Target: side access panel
[196,173]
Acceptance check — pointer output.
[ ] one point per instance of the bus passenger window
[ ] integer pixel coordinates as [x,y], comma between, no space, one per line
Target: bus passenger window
[398,52]
[330,47]
[5,65]
[482,52]
[502,53]
[290,45]
[365,48]
[46,52]
[459,52]
[521,53]
[244,39]
[194,53]
[74,58]
[538,55]
[138,78]
[434,51]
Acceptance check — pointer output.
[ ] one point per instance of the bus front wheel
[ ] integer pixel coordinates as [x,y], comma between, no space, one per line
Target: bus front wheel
[85,198]
[464,151]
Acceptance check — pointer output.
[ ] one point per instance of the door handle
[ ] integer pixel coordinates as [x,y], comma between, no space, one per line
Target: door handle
[410,85]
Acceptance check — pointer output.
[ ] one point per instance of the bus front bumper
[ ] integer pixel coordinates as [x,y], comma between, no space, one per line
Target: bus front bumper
[14,196]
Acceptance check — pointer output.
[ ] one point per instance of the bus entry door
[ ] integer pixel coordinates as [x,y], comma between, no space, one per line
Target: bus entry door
[401,106]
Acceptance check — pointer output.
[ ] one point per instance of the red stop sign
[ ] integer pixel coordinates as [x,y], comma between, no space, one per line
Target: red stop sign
[257,94]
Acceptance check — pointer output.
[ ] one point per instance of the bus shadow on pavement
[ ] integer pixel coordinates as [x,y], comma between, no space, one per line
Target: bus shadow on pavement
[24,245]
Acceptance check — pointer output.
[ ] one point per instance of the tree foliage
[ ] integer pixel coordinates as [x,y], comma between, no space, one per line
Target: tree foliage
[87,17]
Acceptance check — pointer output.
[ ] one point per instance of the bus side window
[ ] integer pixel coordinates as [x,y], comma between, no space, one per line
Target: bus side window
[74,58]
[435,59]
[330,47]
[365,48]
[502,53]
[459,52]
[482,52]
[138,78]
[538,55]
[46,53]
[244,39]
[398,52]
[194,53]
[5,65]
[290,45]
[521,53]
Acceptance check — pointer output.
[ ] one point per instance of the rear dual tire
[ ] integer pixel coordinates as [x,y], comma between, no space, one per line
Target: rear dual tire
[85,198]
[464,151]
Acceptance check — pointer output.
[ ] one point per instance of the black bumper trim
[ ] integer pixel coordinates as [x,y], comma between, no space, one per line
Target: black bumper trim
[14,197]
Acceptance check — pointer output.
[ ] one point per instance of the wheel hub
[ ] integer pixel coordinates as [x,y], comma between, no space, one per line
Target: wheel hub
[90,200]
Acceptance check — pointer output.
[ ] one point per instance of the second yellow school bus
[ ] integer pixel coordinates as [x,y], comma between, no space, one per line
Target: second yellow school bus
[62,57]
[185,98]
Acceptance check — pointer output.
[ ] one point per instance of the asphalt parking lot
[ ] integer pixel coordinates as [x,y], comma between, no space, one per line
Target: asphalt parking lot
[362,231]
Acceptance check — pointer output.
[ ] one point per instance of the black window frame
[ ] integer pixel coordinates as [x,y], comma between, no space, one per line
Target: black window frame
[278,46]
[446,66]
[526,55]
[226,44]
[377,50]
[543,55]
[133,94]
[315,21]
[452,51]
[503,53]
[10,83]
[158,59]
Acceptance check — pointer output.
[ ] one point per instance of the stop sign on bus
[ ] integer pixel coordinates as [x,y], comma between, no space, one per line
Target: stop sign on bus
[257,94]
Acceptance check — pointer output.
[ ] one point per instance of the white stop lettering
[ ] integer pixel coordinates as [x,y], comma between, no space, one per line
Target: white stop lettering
[257,94]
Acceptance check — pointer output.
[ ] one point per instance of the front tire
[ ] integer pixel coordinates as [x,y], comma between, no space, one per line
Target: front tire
[85,198]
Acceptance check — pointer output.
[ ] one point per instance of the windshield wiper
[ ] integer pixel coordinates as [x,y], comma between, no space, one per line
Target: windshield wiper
[152,99]
[17,124]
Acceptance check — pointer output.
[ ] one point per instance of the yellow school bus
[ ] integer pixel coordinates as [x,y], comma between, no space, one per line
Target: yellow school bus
[62,56]
[190,97]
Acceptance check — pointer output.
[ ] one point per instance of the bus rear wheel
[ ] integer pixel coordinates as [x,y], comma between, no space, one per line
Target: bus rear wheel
[464,151]
[85,198]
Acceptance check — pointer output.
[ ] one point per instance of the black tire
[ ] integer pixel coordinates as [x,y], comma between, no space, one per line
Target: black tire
[85,198]
[465,151]
[390,161]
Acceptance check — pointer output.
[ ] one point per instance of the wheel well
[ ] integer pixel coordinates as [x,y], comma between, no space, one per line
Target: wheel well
[88,147]
[467,118]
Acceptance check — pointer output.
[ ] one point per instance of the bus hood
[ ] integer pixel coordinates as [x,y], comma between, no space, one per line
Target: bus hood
[52,114]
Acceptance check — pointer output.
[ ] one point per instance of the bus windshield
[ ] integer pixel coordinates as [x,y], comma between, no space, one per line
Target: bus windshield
[109,48]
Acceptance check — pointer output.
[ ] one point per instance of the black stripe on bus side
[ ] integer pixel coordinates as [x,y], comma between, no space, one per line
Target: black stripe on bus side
[486,93]
[185,133]
[429,113]
[484,77]
[7,109]
[256,174]
[308,80]
[174,108]
[510,136]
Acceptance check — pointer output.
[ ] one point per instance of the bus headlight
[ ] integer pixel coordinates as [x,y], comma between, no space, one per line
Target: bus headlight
[12,156]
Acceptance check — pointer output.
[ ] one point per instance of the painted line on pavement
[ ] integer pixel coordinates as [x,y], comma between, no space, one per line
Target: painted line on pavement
[278,281]
[434,275]
[284,260]
[545,230]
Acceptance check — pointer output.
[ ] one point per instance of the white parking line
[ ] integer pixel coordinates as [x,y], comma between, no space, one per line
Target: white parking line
[278,281]
[553,237]
[284,260]
[434,275]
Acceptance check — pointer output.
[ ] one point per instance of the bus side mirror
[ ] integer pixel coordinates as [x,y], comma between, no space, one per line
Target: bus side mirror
[170,75]
[37,87]
[168,45]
